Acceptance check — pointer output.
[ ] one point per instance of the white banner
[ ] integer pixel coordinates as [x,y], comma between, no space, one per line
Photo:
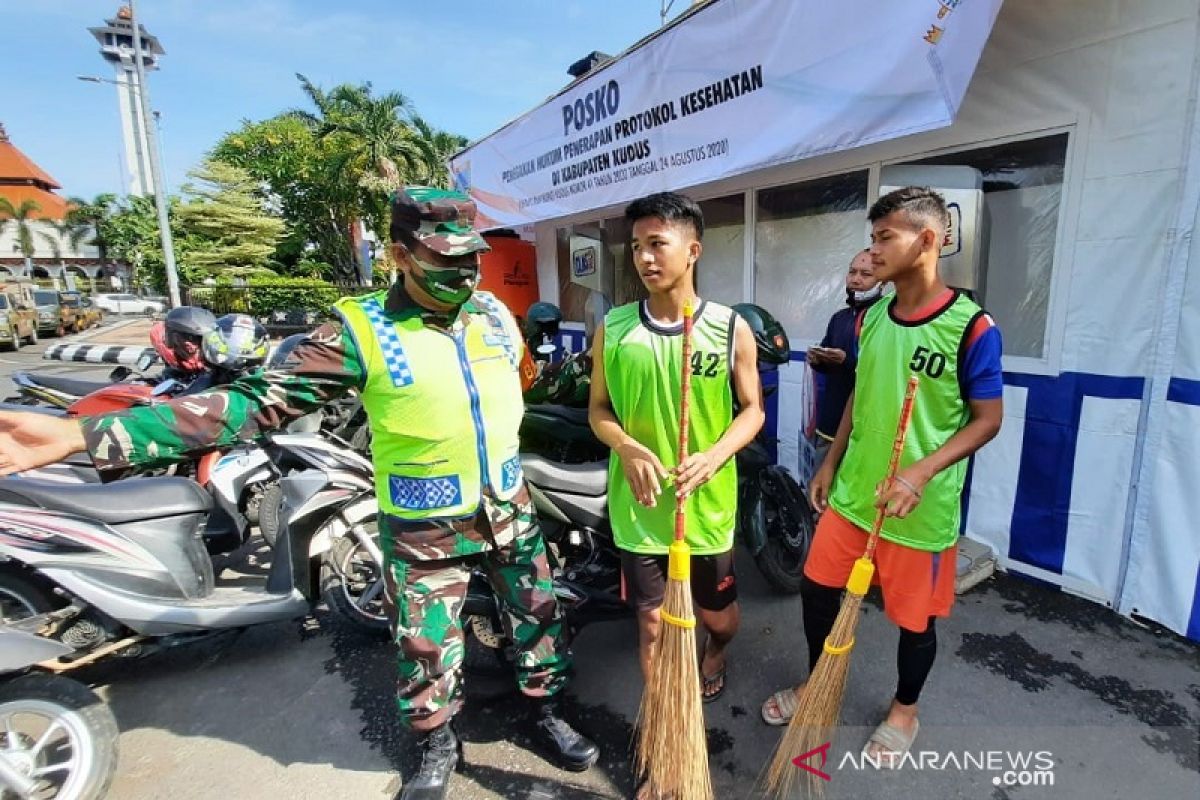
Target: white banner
[740,85]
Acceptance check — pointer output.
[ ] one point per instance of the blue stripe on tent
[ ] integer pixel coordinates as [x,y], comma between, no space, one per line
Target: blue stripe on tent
[1182,390]
[1043,499]
[771,378]
[1193,628]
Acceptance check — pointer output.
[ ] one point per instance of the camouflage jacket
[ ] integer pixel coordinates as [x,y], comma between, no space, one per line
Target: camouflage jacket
[322,368]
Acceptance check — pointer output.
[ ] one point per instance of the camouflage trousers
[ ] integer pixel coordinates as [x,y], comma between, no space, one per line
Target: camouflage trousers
[426,598]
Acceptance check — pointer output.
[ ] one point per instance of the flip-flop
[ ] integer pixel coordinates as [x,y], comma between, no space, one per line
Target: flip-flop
[707,681]
[894,741]
[786,704]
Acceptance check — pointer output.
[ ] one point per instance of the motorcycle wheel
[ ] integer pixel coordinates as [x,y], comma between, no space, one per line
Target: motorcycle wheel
[270,510]
[21,598]
[487,647]
[790,527]
[60,734]
[352,584]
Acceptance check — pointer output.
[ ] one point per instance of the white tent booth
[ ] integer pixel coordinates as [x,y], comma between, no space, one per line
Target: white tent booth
[1068,133]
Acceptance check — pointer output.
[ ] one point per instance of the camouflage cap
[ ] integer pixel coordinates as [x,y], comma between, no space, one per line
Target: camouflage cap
[442,220]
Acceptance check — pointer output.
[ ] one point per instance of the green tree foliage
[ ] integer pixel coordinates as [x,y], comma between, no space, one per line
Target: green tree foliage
[223,221]
[334,163]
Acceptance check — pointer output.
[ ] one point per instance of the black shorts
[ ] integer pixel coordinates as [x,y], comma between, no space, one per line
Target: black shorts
[714,585]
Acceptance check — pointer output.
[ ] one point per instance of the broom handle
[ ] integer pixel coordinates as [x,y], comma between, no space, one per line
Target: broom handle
[684,403]
[894,463]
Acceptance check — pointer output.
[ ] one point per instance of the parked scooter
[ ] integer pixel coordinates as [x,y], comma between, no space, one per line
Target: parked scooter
[121,569]
[59,738]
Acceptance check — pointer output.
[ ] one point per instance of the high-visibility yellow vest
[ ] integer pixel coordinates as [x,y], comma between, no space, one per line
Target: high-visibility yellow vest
[444,407]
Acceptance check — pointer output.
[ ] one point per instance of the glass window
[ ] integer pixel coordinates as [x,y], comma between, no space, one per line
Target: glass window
[3,301]
[719,273]
[1022,188]
[805,236]
[45,298]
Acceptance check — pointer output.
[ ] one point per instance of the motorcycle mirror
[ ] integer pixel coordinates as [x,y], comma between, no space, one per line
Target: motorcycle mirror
[146,360]
[119,374]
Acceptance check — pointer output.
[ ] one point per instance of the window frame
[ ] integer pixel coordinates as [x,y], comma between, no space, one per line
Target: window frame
[1075,126]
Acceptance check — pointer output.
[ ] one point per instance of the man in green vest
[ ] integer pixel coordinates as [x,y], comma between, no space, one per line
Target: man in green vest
[953,348]
[635,409]
[437,366]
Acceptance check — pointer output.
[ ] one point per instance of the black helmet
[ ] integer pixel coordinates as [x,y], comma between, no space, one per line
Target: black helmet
[769,336]
[190,321]
[177,338]
[284,350]
[542,319]
[238,342]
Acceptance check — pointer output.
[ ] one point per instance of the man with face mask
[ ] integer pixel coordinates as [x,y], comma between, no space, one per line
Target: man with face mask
[437,366]
[834,357]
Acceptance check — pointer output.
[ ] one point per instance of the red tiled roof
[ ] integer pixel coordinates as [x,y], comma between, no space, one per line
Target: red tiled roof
[15,165]
[50,205]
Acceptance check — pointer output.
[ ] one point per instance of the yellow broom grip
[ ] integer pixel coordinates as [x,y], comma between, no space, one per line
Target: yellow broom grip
[678,622]
[838,651]
[860,577]
[679,561]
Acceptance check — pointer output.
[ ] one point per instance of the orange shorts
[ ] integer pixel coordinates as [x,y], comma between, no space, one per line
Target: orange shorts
[917,584]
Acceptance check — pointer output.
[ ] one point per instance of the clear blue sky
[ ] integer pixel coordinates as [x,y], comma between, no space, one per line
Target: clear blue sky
[468,67]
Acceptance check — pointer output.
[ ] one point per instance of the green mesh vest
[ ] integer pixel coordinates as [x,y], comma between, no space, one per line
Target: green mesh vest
[643,371]
[889,351]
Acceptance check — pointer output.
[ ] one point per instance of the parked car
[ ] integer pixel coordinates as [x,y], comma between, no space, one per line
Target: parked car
[127,304]
[18,321]
[55,312]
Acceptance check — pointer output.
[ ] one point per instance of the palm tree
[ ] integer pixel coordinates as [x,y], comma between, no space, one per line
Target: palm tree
[21,216]
[377,131]
[436,147]
[92,215]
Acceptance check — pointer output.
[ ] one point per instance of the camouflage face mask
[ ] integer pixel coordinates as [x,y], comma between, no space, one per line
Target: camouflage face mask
[451,286]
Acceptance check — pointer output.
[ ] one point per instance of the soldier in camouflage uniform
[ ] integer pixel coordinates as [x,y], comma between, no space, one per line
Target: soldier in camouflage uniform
[450,488]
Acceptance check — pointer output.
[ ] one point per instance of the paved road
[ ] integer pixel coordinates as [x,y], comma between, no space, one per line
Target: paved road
[304,709]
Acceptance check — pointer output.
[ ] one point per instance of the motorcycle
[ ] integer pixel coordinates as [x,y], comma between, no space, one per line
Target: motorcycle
[570,504]
[124,388]
[120,569]
[60,739]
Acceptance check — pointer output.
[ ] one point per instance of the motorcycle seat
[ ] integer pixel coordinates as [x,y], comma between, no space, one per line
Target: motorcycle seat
[48,411]
[115,503]
[569,414]
[590,479]
[71,386]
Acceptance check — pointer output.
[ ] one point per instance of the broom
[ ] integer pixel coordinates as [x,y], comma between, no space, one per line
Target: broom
[671,751]
[820,705]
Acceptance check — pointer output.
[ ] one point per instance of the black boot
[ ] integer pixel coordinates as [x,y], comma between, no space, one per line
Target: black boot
[567,747]
[441,754]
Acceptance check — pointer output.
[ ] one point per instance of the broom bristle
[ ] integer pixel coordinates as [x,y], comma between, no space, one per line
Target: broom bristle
[671,751]
[819,708]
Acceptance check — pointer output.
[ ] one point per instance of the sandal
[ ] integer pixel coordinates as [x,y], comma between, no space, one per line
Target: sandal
[784,708]
[709,682]
[894,741]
